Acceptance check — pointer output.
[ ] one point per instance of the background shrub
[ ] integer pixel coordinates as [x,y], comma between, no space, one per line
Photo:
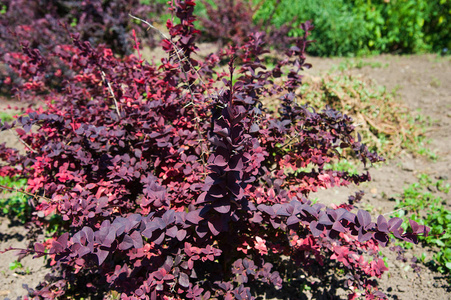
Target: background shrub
[357,27]
[338,31]
[43,24]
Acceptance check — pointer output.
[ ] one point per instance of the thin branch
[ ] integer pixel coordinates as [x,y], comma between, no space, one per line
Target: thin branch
[23,142]
[14,189]
[111,92]
[179,52]
[150,26]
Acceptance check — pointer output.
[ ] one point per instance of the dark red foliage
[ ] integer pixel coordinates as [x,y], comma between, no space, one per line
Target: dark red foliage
[232,21]
[46,24]
[176,182]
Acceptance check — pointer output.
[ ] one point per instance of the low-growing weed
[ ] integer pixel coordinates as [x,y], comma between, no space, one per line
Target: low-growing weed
[5,117]
[19,268]
[420,144]
[15,265]
[435,82]
[420,202]
[14,204]
[348,64]
[343,166]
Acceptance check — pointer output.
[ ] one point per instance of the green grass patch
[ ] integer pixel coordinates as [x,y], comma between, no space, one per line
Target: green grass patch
[14,204]
[420,202]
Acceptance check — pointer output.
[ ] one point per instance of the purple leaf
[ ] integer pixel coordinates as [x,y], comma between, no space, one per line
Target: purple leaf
[316,228]
[194,216]
[293,220]
[220,161]
[160,239]
[101,255]
[382,224]
[364,236]
[172,232]
[325,220]
[254,128]
[181,234]
[39,248]
[338,227]
[127,243]
[137,240]
[364,218]
[183,279]
[222,206]
[382,238]
[83,251]
[394,223]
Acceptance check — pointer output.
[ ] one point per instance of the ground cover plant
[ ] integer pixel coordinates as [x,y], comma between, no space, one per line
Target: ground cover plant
[176,182]
[420,202]
[14,205]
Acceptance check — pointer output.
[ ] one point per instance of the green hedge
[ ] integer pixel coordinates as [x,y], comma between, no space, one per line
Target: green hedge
[356,27]
[361,27]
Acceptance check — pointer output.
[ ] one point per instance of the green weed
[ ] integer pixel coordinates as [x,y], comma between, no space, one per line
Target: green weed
[5,117]
[420,203]
[15,265]
[343,166]
[348,64]
[14,204]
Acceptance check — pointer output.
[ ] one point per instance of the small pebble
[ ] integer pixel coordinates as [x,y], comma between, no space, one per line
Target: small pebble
[408,166]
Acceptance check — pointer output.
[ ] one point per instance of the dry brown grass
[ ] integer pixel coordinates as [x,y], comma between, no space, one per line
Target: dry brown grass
[385,124]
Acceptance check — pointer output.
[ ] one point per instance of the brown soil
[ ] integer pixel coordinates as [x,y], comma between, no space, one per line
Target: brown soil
[422,82]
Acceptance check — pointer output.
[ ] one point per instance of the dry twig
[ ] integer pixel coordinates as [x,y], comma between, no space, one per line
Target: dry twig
[111,92]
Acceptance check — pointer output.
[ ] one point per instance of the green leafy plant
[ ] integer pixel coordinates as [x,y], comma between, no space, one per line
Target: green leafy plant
[351,63]
[343,165]
[14,204]
[362,27]
[5,117]
[420,202]
[15,265]
[338,30]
